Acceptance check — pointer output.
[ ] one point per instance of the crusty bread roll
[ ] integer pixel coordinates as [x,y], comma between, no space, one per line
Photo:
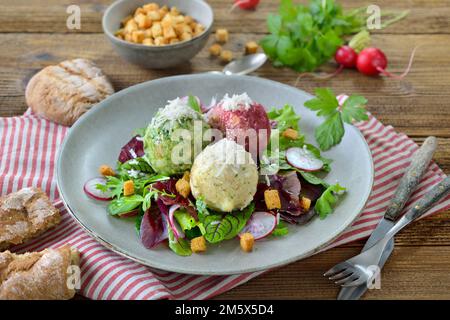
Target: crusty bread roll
[38,275]
[62,93]
[25,214]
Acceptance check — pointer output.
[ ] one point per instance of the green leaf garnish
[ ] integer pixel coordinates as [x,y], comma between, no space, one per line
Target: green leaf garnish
[181,247]
[324,205]
[193,103]
[220,227]
[331,131]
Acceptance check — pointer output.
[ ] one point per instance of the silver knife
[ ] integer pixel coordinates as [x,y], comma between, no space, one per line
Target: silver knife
[419,163]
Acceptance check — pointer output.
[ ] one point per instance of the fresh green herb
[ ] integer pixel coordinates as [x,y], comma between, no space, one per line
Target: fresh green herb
[305,37]
[181,246]
[138,221]
[331,131]
[284,117]
[202,210]
[220,227]
[188,224]
[313,179]
[193,103]
[280,230]
[113,185]
[324,205]
[138,165]
[124,204]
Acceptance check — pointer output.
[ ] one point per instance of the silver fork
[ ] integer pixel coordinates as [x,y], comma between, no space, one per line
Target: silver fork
[359,269]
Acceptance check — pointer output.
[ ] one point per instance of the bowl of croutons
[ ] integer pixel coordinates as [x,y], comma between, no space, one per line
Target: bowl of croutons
[158,34]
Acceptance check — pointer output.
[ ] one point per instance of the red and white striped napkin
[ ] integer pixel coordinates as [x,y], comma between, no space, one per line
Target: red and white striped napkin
[28,149]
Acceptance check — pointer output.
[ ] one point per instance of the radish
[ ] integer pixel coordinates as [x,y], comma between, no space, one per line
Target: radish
[260,224]
[372,62]
[346,57]
[177,232]
[245,4]
[90,188]
[303,159]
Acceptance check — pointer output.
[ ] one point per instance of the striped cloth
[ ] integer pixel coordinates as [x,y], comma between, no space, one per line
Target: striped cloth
[28,149]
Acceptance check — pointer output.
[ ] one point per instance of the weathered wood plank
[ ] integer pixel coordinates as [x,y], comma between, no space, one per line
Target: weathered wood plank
[426,17]
[418,105]
[417,272]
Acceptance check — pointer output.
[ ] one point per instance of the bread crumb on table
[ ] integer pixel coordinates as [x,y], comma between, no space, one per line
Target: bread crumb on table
[215,49]
[222,35]
[226,56]
[251,47]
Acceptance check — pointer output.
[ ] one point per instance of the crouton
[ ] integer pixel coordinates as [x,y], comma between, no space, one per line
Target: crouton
[198,244]
[137,36]
[128,188]
[226,56]
[290,134]
[106,170]
[272,199]
[183,187]
[305,203]
[222,35]
[247,241]
[215,49]
[187,176]
[251,47]
[147,42]
[150,7]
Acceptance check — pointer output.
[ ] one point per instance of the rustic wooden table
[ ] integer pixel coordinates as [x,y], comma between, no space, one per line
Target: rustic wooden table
[33,34]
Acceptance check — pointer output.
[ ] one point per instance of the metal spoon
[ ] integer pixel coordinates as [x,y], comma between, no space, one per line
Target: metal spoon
[245,65]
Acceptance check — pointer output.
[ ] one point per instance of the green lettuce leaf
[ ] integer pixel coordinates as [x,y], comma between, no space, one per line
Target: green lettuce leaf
[324,205]
[181,247]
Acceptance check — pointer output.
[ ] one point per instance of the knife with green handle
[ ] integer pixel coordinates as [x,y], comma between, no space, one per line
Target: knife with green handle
[419,164]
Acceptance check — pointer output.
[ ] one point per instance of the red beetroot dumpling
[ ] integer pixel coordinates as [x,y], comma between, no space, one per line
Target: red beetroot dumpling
[235,115]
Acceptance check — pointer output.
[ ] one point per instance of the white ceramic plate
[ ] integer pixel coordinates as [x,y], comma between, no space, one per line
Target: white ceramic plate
[97,137]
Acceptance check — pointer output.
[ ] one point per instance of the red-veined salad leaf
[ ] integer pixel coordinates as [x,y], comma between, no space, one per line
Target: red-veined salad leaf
[219,227]
[153,228]
[133,149]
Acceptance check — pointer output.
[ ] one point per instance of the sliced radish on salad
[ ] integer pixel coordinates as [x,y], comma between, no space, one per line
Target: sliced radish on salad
[177,232]
[90,188]
[260,224]
[303,159]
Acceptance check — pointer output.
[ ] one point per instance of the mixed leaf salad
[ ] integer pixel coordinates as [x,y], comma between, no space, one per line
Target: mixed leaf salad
[283,185]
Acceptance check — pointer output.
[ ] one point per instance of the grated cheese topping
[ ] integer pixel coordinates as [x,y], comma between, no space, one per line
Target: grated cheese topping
[173,112]
[236,101]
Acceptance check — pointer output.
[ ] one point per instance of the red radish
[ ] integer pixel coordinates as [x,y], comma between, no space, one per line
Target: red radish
[372,62]
[177,232]
[303,159]
[260,224]
[345,56]
[245,4]
[90,188]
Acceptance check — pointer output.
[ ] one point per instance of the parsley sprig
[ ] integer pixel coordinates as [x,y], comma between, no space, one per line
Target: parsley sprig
[331,131]
[305,37]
